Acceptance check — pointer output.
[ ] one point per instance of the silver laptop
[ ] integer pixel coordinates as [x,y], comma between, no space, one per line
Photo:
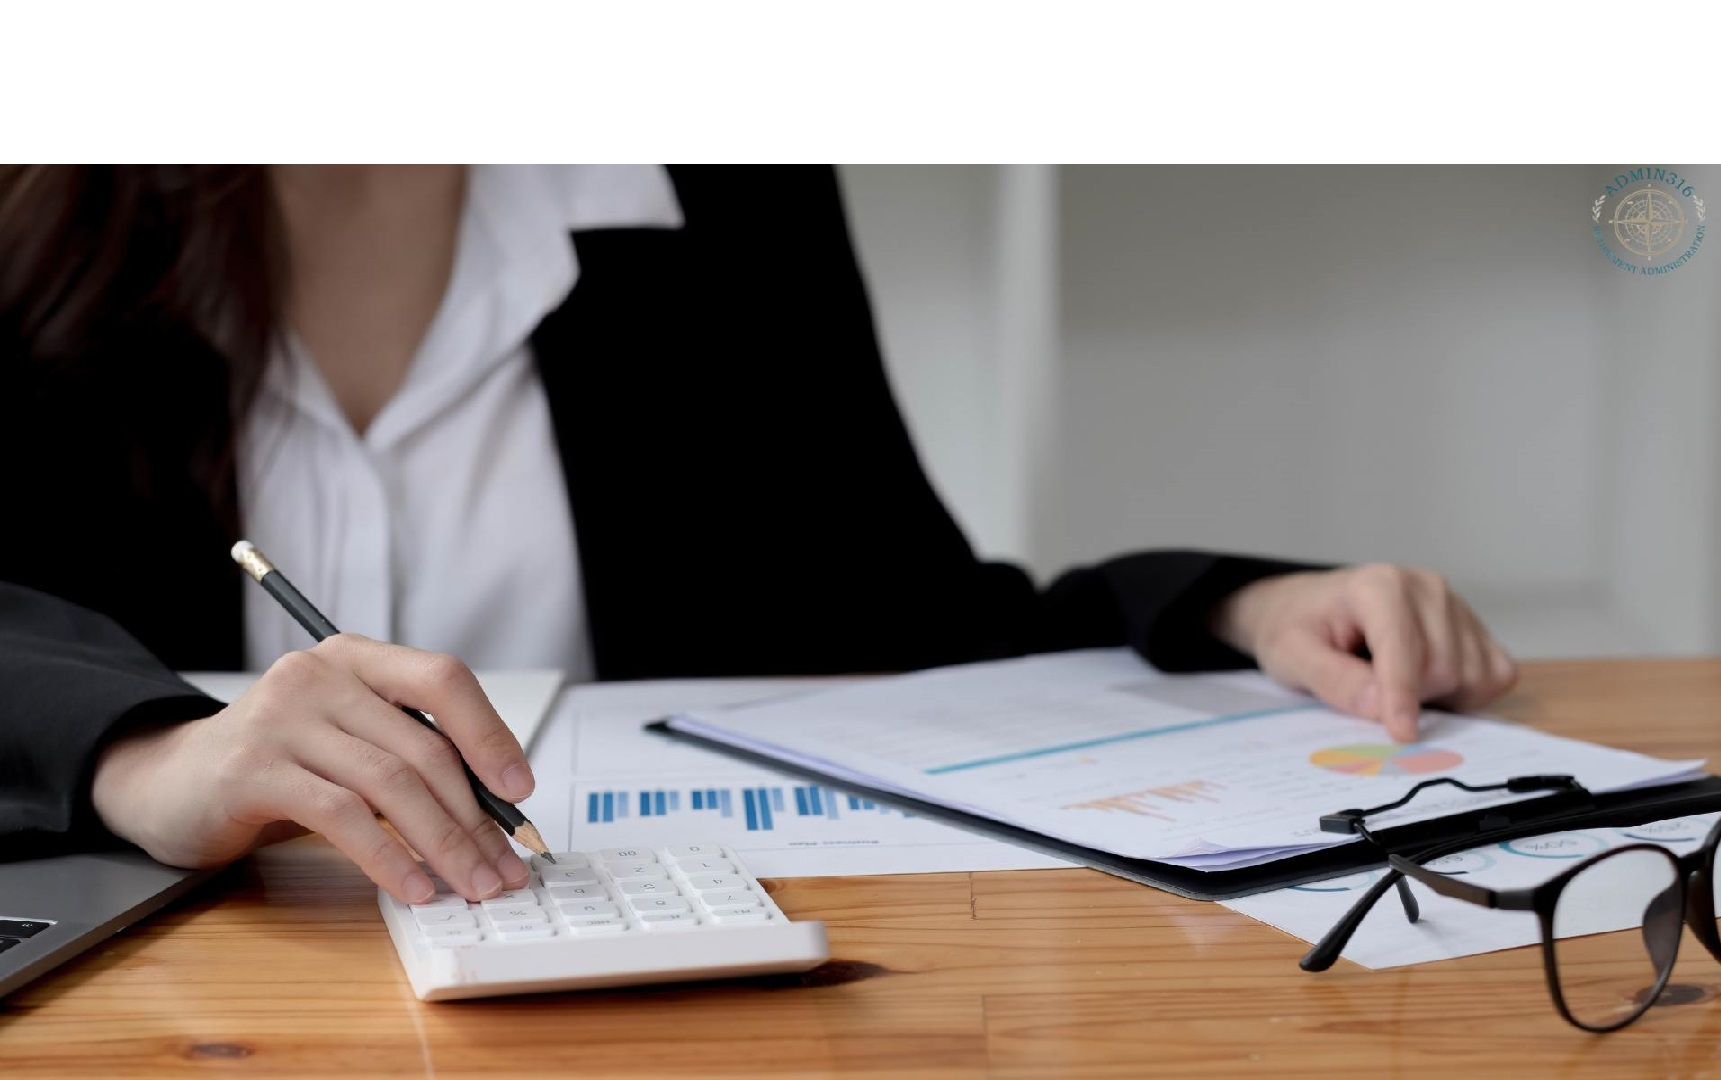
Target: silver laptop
[54,908]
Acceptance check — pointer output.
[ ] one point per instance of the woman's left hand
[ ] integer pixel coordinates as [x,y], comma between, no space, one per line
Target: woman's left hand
[1423,641]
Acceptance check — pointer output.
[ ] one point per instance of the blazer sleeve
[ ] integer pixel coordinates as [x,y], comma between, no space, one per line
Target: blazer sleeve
[1157,602]
[72,680]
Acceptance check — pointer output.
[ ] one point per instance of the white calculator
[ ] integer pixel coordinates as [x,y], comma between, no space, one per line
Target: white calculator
[614,917]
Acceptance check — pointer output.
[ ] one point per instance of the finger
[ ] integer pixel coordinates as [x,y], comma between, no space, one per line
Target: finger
[1504,667]
[1445,631]
[394,788]
[1489,672]
[1393,633]
[1307,661]
[346,821]
[436,761]
[445,688]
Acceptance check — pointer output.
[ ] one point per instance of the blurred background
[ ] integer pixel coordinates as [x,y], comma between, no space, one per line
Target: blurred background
[1425,365]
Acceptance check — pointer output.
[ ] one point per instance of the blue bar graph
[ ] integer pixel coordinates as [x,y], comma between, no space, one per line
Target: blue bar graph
[761,809]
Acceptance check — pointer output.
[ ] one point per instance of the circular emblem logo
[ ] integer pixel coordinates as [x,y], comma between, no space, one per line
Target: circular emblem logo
[1649,220]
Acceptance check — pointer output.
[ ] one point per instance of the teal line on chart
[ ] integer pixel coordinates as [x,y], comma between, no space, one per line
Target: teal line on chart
[1126,737]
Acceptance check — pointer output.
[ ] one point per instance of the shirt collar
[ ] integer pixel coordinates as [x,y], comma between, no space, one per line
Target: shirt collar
[514,264]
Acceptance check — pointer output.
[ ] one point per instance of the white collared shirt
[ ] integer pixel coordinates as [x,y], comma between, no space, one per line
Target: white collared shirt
[446,524]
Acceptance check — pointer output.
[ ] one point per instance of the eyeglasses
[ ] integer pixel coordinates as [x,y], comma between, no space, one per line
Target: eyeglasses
[1600,981]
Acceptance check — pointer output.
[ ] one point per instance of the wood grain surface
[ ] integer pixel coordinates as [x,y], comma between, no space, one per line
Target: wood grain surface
[282,968]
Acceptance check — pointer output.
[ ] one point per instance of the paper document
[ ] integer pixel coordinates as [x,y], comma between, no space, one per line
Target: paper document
[521,697]
[604,782]
[1096,748]
[1450,928]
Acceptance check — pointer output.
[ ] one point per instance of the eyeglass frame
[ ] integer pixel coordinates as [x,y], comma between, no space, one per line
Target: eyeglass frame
[1696,906]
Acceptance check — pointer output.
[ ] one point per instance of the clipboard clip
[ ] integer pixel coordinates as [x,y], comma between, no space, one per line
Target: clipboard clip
[1349,822]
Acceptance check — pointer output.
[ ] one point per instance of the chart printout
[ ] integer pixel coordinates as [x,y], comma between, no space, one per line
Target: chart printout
[605,782]
[1211,771]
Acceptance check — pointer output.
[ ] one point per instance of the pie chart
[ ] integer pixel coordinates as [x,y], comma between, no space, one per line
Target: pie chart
[1386,759]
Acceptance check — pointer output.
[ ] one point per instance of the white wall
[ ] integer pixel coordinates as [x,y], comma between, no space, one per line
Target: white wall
[1662,529]
[1425,365]
[927,243]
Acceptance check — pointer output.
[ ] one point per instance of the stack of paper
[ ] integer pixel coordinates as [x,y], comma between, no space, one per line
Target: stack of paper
[1096,748]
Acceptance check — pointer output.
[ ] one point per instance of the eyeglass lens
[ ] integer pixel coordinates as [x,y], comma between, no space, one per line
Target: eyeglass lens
[1606,978]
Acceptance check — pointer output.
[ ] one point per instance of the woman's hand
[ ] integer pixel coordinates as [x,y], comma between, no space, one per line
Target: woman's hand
[1424,643]
[319,741]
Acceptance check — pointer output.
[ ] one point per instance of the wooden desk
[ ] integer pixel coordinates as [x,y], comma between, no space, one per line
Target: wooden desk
[283,968]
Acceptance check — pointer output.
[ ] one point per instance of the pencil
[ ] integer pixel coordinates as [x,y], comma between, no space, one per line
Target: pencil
[505,813]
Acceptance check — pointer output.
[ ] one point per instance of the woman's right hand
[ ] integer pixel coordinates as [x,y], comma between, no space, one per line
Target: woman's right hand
[319,742]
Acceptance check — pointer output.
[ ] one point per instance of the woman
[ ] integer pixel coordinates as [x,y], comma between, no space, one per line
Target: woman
[626,421]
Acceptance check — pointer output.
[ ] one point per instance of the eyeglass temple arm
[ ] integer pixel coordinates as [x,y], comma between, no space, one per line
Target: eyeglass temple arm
[1326,951]
[1467,891]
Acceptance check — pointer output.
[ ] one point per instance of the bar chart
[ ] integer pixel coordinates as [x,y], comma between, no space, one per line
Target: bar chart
[761,809]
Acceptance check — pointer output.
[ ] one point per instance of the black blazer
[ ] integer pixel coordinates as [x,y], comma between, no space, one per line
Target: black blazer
[747,497]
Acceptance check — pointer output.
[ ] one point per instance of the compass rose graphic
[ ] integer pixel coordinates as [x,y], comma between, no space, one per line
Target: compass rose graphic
[1648,223]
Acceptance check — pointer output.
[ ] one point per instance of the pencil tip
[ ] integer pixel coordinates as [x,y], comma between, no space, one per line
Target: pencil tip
[528,836]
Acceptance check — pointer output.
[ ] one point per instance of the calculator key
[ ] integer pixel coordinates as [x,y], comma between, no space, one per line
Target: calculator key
[446,901]
[646,888]
[695,851]
[524,931]
[572,875]
[637,870]
[512,897]
[565,860]
[728,898]
[627,854]
[706,866]
[562,890]
[588,909]
[734,916]
[595,927]
[517,913]
[733,909]
[660,903]
[703,882]
[507,926]
[445,917]
[668,920]
[451,936]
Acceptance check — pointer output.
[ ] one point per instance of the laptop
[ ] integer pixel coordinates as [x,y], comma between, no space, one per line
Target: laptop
[52,909]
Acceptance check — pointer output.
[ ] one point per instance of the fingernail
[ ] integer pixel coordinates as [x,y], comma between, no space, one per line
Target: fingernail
[517,782]
[485,883]
[511,868]
[417,888]
[1367,700]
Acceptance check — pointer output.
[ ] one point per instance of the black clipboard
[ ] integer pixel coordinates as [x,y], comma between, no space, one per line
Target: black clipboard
[1548,813]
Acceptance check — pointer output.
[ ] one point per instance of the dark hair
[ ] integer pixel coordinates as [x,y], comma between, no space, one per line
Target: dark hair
[88,250]
[92,254]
